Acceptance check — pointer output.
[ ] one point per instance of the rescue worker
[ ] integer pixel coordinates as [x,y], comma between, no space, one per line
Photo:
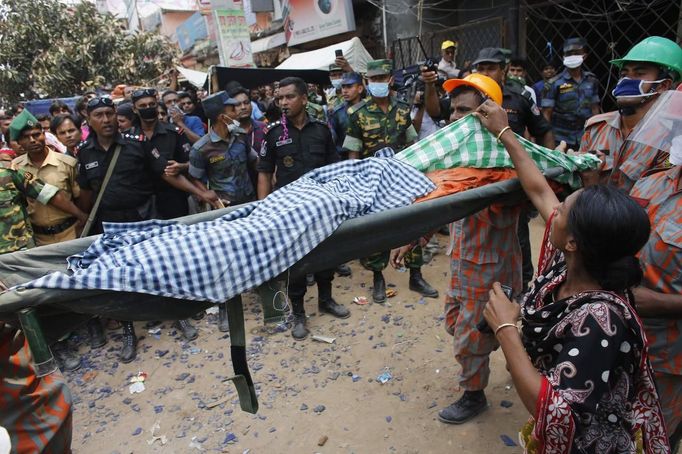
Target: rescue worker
[377,122]
[128,195]
[647,70]
[484,249]
[352,91]
[333,94]
[293,146]
[573,97]
[522,113]
[447,66]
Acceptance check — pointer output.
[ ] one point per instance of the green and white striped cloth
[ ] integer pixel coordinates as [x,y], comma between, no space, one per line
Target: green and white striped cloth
[466,143]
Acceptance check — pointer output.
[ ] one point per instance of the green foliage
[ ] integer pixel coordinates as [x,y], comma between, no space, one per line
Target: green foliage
[49,49]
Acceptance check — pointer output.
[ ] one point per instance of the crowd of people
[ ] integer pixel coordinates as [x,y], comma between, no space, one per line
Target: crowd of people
[597,360]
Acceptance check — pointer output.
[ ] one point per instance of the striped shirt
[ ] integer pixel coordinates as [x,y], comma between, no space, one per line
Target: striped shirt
[661,260]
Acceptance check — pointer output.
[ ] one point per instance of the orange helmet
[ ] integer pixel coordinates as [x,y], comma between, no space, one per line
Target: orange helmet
[484,84]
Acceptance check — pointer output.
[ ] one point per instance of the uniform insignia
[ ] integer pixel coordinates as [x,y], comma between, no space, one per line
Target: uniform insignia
[28,176]
[271,126]
[288,161]
[534,109]
[263,150]
[214,159]
[91,165]
[156,153]
[279,143]
[186,147]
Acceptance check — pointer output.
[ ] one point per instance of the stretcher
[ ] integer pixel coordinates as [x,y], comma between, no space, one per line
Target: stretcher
[46,314]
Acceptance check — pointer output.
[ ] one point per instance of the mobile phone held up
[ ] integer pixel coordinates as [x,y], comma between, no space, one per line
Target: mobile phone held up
[338,53]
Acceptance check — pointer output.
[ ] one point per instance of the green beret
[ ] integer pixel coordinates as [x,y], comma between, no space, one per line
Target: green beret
[22,121]
[379,67]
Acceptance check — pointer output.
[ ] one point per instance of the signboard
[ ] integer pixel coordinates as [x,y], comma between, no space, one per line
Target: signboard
[234,44]
[190,31]
[308,20]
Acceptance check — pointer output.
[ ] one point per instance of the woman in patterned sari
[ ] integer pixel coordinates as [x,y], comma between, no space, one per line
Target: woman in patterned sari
[579,362]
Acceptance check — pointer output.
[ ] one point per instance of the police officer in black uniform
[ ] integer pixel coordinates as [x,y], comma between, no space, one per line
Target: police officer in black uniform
[128,194]
[522,113]
[292,147]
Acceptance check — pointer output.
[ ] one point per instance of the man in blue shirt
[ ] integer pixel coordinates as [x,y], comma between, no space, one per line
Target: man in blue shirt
[573,97]
[548,75]
[191,125]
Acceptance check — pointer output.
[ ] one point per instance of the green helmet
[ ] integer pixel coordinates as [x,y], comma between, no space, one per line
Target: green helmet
[657,50]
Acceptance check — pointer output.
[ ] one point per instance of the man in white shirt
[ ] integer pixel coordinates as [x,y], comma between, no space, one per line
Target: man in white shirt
[447,67]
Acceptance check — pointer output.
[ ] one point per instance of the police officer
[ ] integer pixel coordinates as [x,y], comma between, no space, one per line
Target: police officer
[128,194]
[377,122]
[293,146]
[522,113]
[573,97]
[352,91]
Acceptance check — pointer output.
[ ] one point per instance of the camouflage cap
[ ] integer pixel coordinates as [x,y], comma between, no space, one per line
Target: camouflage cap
[335,67]
[22,121]
[379,67]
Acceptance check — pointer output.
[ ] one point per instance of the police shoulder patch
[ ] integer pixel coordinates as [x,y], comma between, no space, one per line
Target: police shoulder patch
[80,145]
[131,135]
[356,107]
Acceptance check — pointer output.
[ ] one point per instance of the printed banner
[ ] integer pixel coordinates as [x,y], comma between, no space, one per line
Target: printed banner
[234,44]
[308,20]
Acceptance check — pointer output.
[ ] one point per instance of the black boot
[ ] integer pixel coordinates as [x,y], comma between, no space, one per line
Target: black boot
[199,315]
[331,307]
[379,291]
[469,405]
[66,358]
[96,332]
[129,348]
[343,270]
[298,328]
[188,331]
[223,325]
[419,285]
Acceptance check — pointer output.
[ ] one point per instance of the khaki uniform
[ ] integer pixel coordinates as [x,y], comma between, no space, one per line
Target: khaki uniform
[58,170]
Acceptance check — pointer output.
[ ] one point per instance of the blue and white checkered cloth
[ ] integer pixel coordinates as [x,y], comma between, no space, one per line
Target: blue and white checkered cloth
[213,261]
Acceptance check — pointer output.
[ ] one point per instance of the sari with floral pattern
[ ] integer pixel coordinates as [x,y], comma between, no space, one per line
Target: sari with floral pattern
[598,393]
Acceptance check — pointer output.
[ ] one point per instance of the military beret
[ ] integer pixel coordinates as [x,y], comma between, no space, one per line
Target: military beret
[351,78]
[22,121]
[379,67]
[214,104]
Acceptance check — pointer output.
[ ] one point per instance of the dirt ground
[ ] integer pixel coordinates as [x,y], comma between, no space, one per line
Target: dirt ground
[308,391]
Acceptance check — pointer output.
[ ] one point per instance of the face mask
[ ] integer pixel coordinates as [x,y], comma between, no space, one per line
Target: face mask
[573,61]
[233,126]
[632,88]
[378,89]
[148,113]
[336,83]
[676,151]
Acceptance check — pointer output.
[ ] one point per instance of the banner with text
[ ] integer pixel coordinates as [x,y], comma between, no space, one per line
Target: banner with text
[234,44]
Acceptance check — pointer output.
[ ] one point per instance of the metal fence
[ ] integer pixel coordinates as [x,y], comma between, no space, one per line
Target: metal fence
[471,37]
[610,27]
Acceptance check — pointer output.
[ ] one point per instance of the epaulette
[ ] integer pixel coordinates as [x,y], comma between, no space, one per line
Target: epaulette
[599,118]
[271,126]
[130,135]
[339,107]
[174,128]
[80,145]
[356,107]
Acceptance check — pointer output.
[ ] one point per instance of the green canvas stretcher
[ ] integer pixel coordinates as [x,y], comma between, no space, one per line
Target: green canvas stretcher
[354,238]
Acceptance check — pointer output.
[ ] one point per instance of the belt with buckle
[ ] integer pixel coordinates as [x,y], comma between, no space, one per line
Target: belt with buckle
[54,229]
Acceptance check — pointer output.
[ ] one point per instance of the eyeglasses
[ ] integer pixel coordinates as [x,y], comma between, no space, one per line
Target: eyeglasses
[94,103]
[142,92]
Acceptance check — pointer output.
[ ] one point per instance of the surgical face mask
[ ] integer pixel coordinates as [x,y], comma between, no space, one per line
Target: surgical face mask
[233,125]
[676,151]
[632,88]
[336,83]
[573,61]
[378,89]
[148,113]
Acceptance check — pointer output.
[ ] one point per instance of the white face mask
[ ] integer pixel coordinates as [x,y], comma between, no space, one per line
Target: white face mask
[233,125]
[676,151]
[573,61]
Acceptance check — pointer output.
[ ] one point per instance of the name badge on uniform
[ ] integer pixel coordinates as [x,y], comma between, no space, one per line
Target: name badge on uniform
[217,158]
[279,143]
[91,165]
[288,161]
[156,153]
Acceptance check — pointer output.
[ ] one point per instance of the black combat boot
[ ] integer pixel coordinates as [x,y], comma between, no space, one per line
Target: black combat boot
[419,285]
[469,405]
[331,307]
[66,358]
[298,327]
[343,270]
[188,331]
[223,325]
[129,348]
[96,332]
[379,291]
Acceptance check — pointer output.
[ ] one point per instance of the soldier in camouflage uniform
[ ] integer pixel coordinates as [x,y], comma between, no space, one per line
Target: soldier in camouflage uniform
[377,122]
[334,98]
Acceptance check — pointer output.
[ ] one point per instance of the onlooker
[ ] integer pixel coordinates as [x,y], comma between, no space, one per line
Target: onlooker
[190,107]
[254,129]
[548,75]
[287,154]
[65,128]
[44,121]
[59,108]
[573,97]
[191,125]
[447,66]
[125,116]
[516,73]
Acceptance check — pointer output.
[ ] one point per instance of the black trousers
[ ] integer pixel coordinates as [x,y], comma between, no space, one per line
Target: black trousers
[297,288]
